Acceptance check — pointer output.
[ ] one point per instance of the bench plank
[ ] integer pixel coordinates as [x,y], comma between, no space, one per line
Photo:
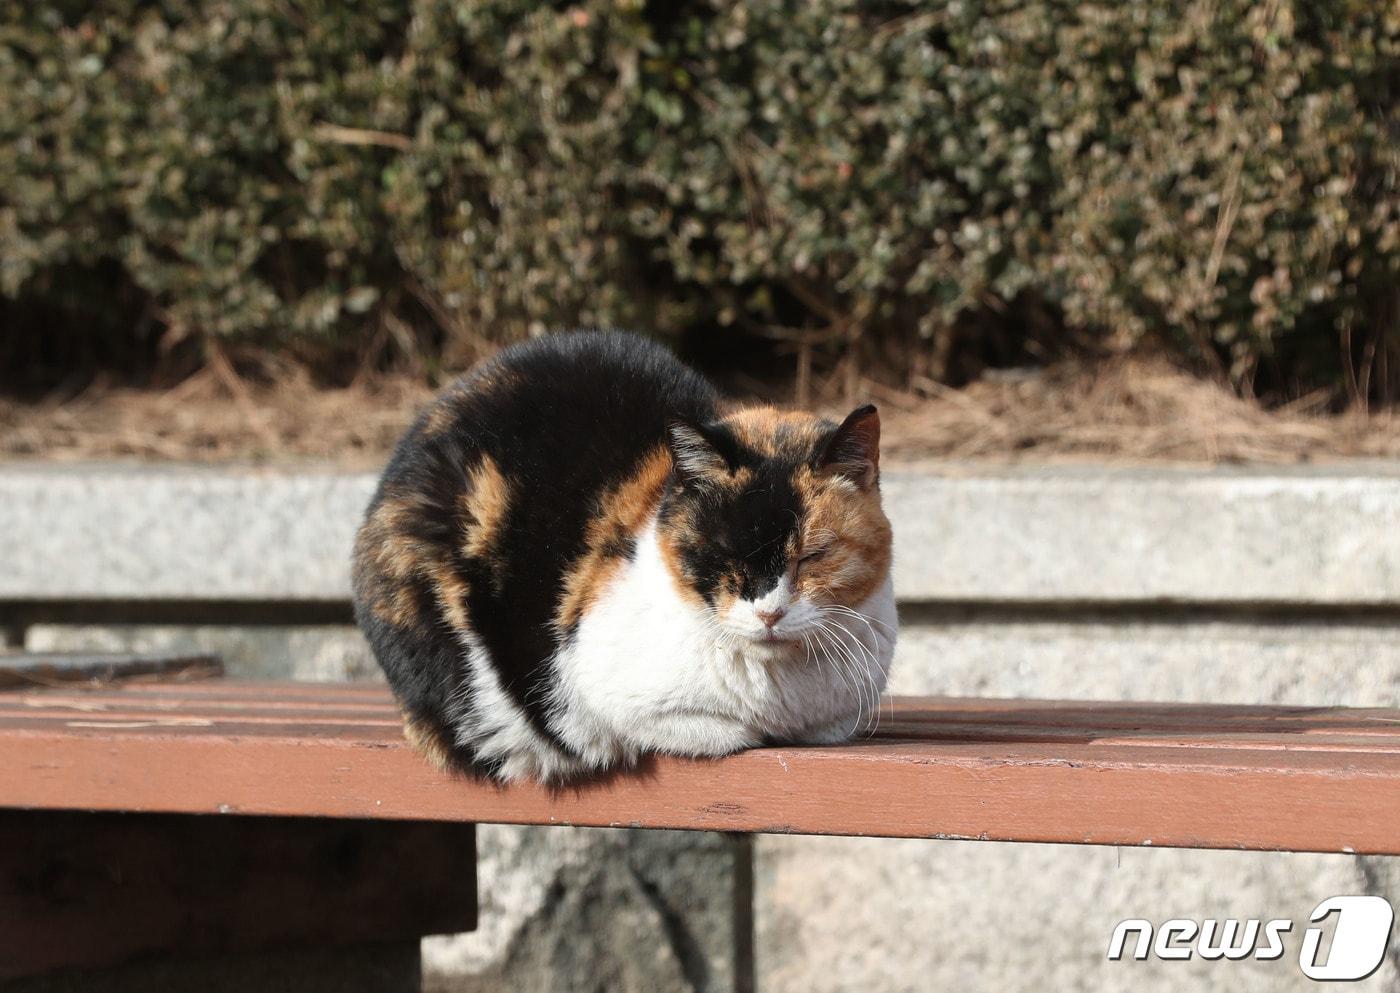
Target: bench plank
[1208,776]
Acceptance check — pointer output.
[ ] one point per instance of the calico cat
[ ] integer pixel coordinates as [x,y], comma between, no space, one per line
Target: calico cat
[576,557]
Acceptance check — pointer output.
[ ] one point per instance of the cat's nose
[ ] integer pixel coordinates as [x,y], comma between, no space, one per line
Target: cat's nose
[770,617]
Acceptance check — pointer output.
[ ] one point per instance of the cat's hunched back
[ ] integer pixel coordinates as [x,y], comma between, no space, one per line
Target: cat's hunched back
[558,565]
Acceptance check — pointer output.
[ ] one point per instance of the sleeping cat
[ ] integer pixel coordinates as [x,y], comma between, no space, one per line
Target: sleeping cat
[576,557]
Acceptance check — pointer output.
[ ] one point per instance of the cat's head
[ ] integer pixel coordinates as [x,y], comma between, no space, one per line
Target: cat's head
[772,520]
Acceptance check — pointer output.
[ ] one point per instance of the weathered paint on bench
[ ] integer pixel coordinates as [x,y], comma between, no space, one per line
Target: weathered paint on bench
[1208,776]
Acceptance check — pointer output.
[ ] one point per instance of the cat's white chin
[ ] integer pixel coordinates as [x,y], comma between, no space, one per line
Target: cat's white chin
[773,641]
[775,653]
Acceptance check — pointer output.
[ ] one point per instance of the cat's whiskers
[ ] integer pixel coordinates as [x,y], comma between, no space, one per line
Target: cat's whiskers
[865,619]
[850,644]
[824,647]
[869,623]
[811,656]
[823,614]
[843,659]
[871,672]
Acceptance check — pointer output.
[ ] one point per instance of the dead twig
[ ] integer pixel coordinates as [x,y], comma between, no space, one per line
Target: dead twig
[340,135]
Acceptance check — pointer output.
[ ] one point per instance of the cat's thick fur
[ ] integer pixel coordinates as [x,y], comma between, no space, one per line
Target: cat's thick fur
[575,558]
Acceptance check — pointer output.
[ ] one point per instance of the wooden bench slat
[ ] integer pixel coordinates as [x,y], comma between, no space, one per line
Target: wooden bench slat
[63,708]
[242,689]
[1309,779]
[197,721]
[908,719]
[1080,712]
[905,719]
[968,741]
[107,700]
[907,710]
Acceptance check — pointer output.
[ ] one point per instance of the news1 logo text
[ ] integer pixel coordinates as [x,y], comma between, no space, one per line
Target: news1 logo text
[1360,931]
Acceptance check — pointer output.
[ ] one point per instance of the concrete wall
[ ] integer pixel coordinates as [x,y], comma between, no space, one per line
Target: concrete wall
[1229,585]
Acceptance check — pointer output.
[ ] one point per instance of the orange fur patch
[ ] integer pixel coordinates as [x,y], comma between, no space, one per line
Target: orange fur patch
[621,512]
[726,594]
[680,531]
[451,592]
[427,741]
[388,554]
[773,431]
[396,565]
[851,524]
[484,505]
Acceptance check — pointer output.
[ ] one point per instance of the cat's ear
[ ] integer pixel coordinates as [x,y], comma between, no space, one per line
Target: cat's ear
[853,449]
[697,451]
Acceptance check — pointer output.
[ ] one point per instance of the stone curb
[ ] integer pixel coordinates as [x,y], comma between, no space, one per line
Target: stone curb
[1049,535]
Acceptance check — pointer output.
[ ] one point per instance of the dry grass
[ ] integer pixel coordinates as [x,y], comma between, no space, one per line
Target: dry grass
[217,418]
[1133,411]
[1129,410]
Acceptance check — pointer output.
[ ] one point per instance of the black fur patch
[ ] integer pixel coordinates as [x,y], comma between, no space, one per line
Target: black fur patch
[741,535]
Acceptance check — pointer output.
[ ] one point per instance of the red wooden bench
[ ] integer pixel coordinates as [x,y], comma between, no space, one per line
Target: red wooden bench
[325,767]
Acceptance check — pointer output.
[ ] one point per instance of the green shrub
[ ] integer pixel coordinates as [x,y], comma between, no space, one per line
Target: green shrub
[1219,175]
